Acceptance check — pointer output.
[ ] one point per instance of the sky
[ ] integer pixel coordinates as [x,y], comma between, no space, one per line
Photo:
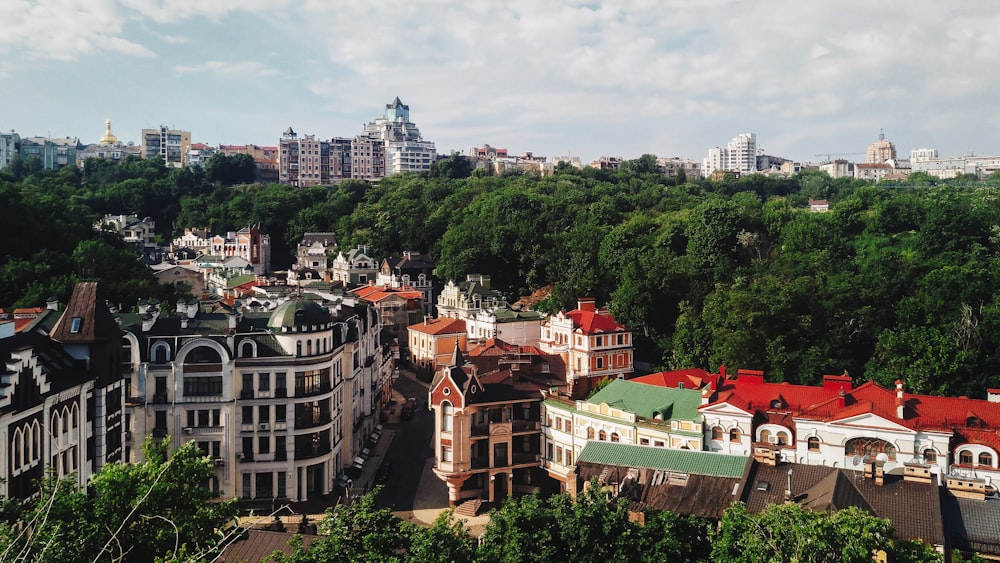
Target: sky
[553,77]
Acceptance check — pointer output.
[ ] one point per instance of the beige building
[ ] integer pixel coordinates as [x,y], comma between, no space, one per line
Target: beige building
[171,145]
[881,150]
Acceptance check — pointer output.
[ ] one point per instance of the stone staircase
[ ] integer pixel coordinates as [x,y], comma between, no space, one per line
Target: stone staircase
[469,508]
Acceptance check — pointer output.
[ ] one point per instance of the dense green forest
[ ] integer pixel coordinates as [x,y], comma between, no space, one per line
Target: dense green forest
[896,281]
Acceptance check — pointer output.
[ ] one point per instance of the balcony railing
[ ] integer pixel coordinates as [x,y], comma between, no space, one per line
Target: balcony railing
[308,453]
[281,392]
[525,426]
[307,391]
[246,394]
[521,458]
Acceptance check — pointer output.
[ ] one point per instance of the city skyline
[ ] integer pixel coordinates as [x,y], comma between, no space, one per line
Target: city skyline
[570,78]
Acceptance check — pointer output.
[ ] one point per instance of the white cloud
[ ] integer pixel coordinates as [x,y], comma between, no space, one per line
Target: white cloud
[249,69]
[64,29]
[674,73]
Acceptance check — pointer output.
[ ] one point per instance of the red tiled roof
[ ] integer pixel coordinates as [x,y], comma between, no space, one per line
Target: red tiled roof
[693,378]
[497,347]
[374,293]
[826,403]
[593,322]
[444,325]
[748,391]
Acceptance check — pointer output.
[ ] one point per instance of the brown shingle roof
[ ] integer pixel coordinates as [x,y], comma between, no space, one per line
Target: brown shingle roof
[95,320]
[255,545]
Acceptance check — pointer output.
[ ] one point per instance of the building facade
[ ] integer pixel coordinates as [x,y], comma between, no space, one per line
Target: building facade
[622,412]
[354,267]
[593,345]
[486,431]
[170,145]
[880,151]
[277,399]
[52,153]
[62,397]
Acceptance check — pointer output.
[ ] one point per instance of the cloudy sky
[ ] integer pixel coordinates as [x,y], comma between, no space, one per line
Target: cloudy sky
[555,77]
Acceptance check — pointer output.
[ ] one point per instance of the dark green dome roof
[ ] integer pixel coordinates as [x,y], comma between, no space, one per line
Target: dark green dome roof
[299,313]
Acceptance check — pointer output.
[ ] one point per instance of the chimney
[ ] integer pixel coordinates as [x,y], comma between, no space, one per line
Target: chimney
[899,400]
[184,322]
[232,322]
[147,322]
[879,472]
[722,371]
[587,304]
[192,309]
[52,303]
[841,399]
[967,487]
[993,395]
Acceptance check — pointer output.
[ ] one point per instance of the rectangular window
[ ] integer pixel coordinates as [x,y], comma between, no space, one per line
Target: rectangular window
[203,417]
[216,417]
[264,413]
[264,381]
[189,422]
[247,415]
[202,386]
[281,484]
[248,448]
[246,486]
[264,444]
[445,453]
[548,450]
[279,413]
[558,424]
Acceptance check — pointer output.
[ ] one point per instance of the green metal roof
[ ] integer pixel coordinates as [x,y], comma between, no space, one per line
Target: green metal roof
[682,461]
[645,400]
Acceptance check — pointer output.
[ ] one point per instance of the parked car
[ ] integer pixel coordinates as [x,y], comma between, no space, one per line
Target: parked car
[365,453]
[408,409]
[343,483]
[356,467]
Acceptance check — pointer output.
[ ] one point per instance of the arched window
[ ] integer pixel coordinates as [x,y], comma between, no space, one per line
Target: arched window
[716,432]
[735,435]
[986,459]
[298,348]
[871,448]
[776,404]
[965,457]
[602,436]
[54,427]
[590,432]
[309,347]
[17,446]
[446,415]
[161,353]
[813,443]
[930,456]
[614,437]
[765,435]
[782,438]
[246,349]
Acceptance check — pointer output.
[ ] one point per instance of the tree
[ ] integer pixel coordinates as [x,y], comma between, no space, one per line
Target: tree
[789,532]
[447,540]
[359,532]
[129,512]
[230,170]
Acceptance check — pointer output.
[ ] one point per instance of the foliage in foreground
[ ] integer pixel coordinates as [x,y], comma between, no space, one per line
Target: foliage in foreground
[159,508]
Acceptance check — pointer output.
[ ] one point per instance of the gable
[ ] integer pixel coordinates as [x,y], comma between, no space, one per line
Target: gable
[723,409]
[870,420]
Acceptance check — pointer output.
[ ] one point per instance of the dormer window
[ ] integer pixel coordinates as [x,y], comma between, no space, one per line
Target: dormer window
[74,327]
[776,404]
[973,422]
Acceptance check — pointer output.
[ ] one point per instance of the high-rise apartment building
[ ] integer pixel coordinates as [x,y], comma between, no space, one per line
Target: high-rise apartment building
[881,150]
[10,145]
[171,145]
[739,155]
[404,149]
